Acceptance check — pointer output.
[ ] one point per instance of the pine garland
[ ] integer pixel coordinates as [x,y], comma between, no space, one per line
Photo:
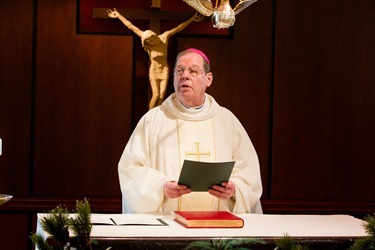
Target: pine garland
[287,243]
[223,244]
[58,223]
[368,242]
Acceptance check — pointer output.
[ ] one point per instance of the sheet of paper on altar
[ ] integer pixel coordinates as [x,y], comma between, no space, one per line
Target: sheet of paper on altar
[127,219]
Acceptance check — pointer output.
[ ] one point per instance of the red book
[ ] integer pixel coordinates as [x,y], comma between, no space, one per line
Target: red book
[208,219]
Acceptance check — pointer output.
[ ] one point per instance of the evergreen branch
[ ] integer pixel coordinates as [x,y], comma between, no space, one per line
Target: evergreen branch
[223,244]
[367,242]
[370,225]
[287,243]
[57,225]
[81,226]
[39,242]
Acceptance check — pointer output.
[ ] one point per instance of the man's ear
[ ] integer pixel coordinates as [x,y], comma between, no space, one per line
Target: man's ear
[210,77]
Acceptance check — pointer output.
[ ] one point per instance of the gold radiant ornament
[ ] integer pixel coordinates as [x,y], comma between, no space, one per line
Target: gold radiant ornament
[5,198]
[223,16]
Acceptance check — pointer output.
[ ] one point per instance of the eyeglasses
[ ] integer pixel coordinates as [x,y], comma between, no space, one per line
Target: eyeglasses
[192,71]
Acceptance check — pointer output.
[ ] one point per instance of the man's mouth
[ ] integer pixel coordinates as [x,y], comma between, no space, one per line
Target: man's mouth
[184,86]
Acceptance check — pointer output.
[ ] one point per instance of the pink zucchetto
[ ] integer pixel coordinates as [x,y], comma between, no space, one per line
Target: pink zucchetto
[199,52]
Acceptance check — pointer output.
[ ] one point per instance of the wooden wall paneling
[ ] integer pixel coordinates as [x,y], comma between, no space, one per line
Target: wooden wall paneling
[324,90]
[14,232]
[16,24]
[242,68]
[83,105]
[141,85]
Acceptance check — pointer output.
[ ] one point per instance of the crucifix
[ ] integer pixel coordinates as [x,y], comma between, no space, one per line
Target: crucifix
[197,152]
[155,15]
[155,44]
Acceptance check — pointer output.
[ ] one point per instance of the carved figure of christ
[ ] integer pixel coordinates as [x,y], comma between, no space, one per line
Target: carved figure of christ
[156,45]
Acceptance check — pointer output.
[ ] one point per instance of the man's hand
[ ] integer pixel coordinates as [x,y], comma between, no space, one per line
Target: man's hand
[224,192]
[173,190]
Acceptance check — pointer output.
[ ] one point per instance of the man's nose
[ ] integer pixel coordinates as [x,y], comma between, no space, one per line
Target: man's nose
[185,73]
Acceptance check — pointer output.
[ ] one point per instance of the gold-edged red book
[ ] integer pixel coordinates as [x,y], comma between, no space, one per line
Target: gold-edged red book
[208,219]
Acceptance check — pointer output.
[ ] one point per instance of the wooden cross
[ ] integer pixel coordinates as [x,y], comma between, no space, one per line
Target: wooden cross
[155,15]
[197,152]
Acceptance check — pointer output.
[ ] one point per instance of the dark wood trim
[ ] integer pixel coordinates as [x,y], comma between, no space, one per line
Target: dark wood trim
[113,205]
[41,204]
[355,208]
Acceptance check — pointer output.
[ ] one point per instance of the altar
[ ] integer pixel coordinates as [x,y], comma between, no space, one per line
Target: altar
[318,231]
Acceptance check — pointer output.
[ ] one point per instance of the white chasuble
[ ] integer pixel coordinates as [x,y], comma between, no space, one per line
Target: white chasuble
[170,133]
[196,143]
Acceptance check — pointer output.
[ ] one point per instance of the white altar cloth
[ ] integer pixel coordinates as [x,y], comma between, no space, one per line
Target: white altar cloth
[256,225]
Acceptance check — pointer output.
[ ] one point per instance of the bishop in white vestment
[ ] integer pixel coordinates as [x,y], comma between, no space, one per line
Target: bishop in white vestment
[172,132]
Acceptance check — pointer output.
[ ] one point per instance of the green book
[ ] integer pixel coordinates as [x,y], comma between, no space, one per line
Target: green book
[200,176]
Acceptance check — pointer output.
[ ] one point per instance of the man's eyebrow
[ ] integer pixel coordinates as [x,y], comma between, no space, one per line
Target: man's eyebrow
[191,66]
